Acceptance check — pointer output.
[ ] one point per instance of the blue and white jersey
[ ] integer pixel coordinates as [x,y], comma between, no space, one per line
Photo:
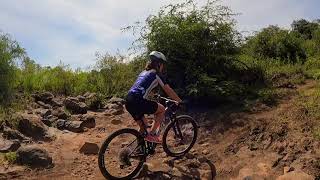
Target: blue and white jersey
[146,81]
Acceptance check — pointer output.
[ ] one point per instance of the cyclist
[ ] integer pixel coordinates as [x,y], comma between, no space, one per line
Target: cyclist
[138,102]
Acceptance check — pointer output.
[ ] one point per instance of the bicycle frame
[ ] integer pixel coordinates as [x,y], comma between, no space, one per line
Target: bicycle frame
[170,116]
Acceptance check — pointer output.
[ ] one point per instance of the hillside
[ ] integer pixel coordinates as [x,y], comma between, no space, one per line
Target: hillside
[255,95]
[261,142]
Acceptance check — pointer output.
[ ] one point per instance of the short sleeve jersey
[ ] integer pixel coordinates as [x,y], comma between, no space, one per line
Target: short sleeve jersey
[146,81]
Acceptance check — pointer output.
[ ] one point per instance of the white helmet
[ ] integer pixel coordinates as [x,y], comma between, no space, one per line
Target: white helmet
[157,57]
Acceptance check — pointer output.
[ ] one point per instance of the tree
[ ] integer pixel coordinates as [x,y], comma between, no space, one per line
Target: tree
[276,43]
[200,43]
[9,52]
[305,28]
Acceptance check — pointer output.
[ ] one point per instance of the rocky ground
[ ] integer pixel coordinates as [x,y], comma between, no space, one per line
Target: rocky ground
[59,138]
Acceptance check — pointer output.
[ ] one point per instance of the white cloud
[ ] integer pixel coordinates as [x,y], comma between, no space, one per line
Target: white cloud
[73,30]
[255,15]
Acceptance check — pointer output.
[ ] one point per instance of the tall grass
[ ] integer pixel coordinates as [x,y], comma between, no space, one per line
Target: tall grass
[111,77]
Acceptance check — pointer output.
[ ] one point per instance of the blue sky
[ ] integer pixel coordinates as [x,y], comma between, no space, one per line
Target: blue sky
[74,30]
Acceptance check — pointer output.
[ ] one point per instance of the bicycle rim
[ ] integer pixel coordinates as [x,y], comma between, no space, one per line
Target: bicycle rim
[122,154]
[180,136]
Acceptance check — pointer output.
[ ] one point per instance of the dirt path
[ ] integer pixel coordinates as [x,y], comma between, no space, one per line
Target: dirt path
[254,143]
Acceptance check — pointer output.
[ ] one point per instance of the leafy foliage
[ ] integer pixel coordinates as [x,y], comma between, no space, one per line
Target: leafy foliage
[276,43]
[305,28]
[9,52]
[201,45]
[11,157]
[208,58]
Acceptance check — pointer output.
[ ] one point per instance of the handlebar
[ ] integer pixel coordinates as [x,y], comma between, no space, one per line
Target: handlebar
[172,104]
[167,99]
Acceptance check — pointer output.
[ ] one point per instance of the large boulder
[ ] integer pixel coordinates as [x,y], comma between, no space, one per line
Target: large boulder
[88,121]
[43,112]
[32,126]
[74,106]
[8,146]
[9,133]
[74,126]
[60,113]
[50,120]
[60,124]
[34,157]
[45,97]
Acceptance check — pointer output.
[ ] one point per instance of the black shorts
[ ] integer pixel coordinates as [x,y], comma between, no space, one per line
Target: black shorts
[138,107]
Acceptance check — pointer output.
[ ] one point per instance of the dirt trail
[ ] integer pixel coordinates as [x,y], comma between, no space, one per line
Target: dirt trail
[251,143]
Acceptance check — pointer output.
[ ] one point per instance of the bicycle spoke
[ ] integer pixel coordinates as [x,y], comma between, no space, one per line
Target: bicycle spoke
[121,157]
[180,136]
[178,130]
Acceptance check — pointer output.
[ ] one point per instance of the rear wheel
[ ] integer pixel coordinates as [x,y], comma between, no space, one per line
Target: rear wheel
[180,136]
[122,154]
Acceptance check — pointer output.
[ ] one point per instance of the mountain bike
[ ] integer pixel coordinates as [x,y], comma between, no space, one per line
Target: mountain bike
[124,152]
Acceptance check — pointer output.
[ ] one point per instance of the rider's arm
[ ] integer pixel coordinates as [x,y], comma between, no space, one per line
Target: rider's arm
[167,89]
[171,93]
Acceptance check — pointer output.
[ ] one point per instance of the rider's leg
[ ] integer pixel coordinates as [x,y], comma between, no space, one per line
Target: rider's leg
[159,116]
[142,125]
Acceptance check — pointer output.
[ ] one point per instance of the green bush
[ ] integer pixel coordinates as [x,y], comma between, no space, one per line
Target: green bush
[201,45]
[305,28]
[9,52]
[11,157]
[276,43]
[114,76]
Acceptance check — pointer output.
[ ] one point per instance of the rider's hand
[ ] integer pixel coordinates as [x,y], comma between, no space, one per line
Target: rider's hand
[178,103]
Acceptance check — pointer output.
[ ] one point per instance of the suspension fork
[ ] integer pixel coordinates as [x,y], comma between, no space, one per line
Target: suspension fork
[176,127]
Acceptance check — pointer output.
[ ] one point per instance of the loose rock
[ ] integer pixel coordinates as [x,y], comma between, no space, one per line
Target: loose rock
[34,157]
[116,100]
[88,121]
[74,126]
[60,124]
[94,101]
[45,97]
[44,105]
[32,126]
[60,113]
[55,103]
[8,146]
[89,148]
[81,98]
[9,133]
[74,106]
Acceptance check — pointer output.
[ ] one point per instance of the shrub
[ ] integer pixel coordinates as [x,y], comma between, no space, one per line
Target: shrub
[201,45]
[11,157]
[276,43]
[9,52]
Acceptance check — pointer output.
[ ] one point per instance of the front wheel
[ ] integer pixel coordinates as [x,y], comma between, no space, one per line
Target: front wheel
[122,154]
[179,136]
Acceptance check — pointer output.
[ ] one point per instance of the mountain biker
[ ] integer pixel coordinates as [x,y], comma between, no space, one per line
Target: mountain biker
[137,100]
